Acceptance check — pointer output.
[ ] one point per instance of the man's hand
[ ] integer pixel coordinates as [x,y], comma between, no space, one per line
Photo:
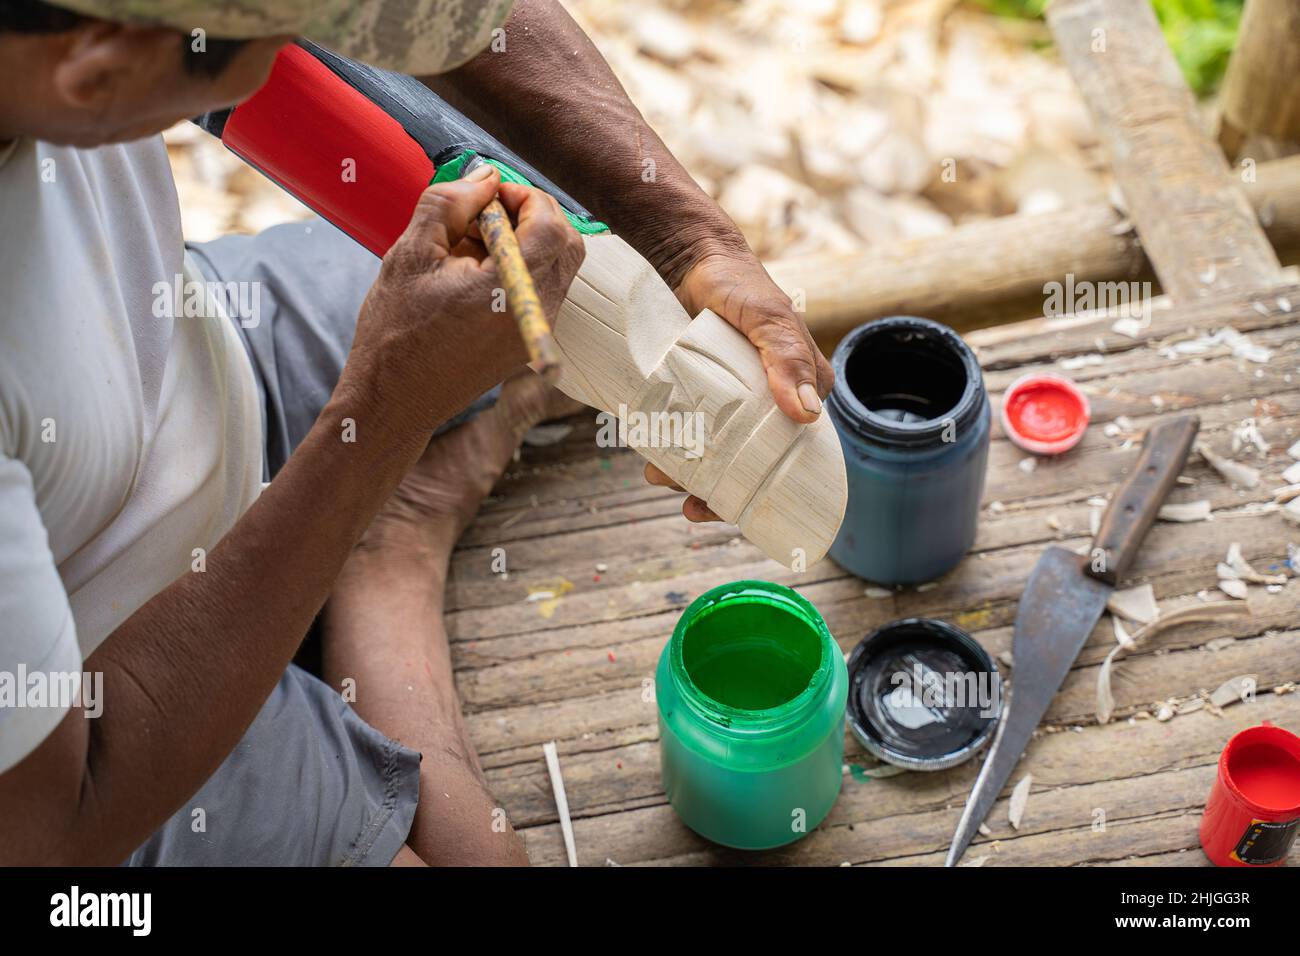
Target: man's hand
[737,287]
[430,310]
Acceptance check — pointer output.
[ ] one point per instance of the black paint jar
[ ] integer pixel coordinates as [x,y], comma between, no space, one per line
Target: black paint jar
[913,419]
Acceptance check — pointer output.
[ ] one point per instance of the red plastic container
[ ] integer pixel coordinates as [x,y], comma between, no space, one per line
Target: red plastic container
[1253,813]
[1045,414]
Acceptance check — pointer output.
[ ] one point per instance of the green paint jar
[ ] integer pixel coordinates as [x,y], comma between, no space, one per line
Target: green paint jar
[751,690]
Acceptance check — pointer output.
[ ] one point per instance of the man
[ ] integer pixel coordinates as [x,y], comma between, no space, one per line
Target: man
[136,539]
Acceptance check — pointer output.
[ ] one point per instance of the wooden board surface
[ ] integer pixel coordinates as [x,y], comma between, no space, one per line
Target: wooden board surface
[576,521]
[1197,228]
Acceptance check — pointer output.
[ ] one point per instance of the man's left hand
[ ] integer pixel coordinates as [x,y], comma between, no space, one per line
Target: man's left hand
[738,288]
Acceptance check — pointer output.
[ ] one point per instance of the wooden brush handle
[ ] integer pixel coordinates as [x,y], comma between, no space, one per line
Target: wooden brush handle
[521,293]
[1134,507]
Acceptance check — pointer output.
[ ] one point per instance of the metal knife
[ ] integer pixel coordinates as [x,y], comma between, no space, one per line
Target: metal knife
[1063,600]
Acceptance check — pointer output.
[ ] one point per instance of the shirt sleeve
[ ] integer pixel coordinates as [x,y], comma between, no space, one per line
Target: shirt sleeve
[38,638]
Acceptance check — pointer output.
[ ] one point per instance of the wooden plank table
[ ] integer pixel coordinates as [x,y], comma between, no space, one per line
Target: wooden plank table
[576,521]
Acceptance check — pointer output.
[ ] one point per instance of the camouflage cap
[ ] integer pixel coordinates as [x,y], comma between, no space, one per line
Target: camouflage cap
[411,36]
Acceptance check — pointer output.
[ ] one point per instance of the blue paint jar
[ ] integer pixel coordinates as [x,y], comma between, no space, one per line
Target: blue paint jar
[913,418]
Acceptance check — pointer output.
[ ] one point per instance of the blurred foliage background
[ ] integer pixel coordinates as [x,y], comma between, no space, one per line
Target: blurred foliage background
[1201,32]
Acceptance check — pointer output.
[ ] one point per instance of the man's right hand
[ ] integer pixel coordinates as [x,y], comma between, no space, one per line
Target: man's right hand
[429,321]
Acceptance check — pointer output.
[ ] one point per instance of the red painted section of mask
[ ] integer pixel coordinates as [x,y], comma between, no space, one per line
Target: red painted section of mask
[332,148]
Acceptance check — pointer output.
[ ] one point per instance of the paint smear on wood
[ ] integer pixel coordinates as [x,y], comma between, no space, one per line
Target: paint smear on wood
[548,594]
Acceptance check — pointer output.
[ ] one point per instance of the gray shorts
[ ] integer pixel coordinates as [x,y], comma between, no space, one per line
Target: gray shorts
[310,783]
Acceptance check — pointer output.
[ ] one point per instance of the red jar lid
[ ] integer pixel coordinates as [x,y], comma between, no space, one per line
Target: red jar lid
[1045,414]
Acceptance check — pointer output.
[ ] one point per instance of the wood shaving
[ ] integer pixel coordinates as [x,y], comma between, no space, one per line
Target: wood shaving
[1291,511]
[1234,589]
[1241,568]
[1027,465]
[1106,699]
[1292,475]
[876,593]
[1186,511]
[1121,634]
[1193,613]
[1247,436]
[1240,345]
[1129,327]
[1234,472]
[1019,797]
[1234,691]
[1287,688]
[1135,604]
[1282,495]
[984,830]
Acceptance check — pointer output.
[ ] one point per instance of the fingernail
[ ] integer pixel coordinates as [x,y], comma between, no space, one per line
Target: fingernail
[479,173]
[808,398]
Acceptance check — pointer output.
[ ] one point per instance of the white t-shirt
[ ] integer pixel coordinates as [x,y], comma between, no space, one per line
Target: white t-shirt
[126,440]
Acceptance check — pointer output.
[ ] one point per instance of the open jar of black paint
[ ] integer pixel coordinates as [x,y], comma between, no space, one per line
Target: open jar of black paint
[913,418]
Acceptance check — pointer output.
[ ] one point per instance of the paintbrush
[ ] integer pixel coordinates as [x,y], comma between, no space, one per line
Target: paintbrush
[521,294]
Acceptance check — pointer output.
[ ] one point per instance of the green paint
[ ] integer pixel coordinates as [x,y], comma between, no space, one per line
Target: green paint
[751,654]
[751,691]
[450,171]
[859,773]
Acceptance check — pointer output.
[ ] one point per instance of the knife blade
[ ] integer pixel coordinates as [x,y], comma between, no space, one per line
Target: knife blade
[1063,599]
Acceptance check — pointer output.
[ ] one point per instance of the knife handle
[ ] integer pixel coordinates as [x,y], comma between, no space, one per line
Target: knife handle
[1134,507]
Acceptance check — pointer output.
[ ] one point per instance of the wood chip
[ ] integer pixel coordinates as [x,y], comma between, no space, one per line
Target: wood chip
[1135,604]
[1185,511]
[1292,475]
[1243,571]
[1221,610]
[1291,511]
[1234,589]
[1234,691]
[1019,797]
[1283,495]
[1121,634]
[1233,472]
[1105,699]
